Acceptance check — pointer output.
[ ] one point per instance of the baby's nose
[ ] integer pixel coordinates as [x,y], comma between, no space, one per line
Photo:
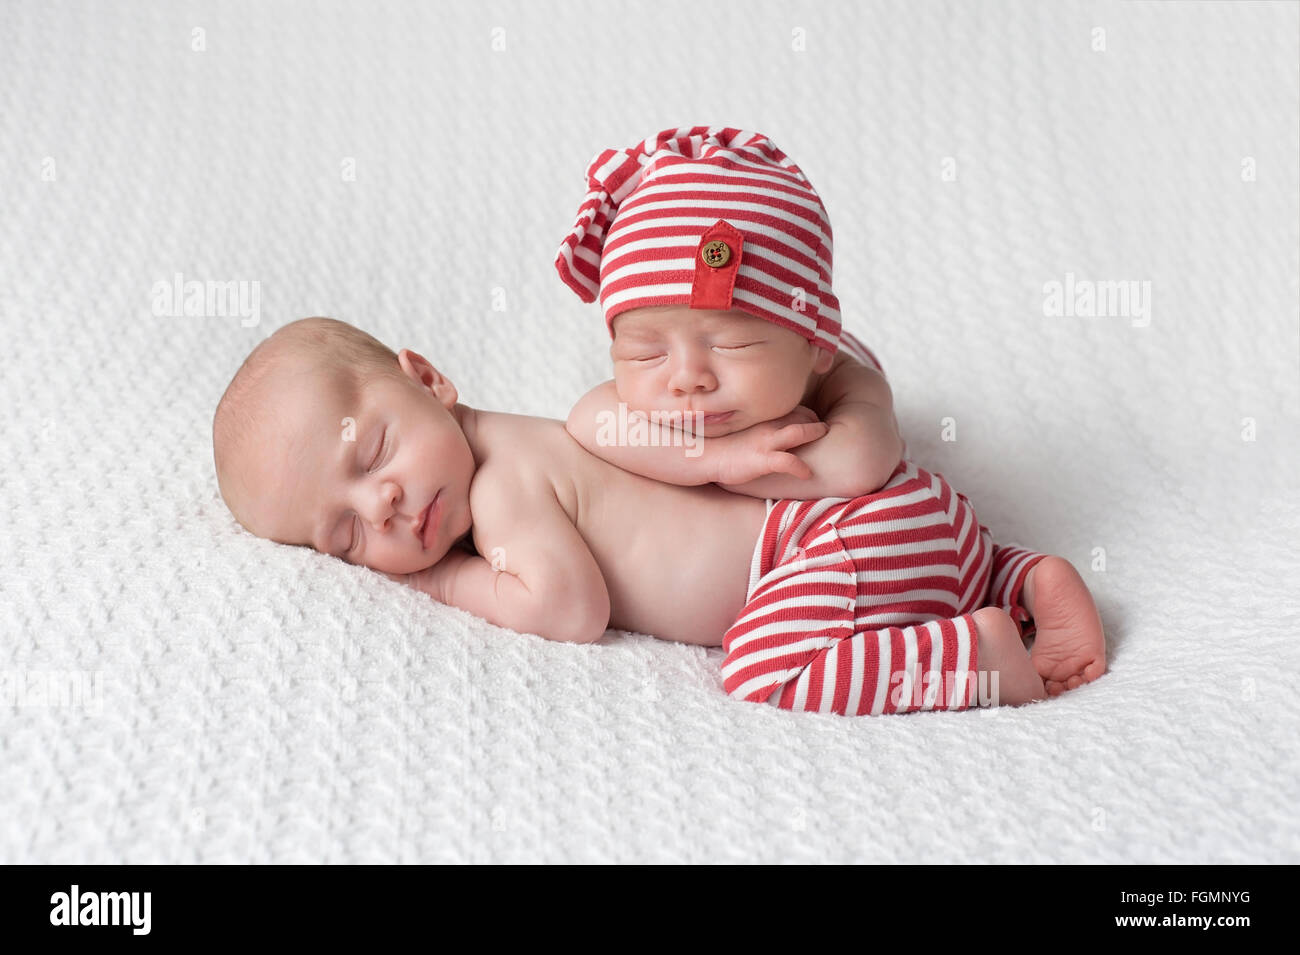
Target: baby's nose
[383,509]
[692,378]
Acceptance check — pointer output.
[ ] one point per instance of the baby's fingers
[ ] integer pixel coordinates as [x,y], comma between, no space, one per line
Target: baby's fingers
[782,462]
[793,435]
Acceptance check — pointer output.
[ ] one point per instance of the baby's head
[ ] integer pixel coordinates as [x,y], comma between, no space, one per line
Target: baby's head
[710,252]
[327,438]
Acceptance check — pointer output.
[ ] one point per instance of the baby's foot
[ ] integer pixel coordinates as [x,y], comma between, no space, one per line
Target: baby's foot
[1069,647]
[1001,651]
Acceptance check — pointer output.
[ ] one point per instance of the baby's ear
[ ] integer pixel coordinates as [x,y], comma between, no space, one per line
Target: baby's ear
[420,370]
[822,359]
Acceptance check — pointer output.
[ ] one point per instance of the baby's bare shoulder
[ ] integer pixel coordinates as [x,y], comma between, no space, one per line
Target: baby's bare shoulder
[523,460]
[525,434]
[851,381]
[523,512]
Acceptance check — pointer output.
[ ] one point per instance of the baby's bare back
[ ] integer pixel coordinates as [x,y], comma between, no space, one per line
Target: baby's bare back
[675,559]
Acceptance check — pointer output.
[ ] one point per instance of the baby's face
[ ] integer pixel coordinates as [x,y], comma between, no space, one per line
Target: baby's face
[737,369]
[379,478]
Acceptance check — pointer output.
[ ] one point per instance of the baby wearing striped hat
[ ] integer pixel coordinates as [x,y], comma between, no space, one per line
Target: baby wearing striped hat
[710,253]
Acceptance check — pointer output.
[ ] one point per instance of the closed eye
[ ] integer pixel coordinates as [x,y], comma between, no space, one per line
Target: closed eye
[735,347]
[354,539]
[378,453]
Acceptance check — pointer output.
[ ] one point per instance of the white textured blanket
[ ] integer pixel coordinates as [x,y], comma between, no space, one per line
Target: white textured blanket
[176,690]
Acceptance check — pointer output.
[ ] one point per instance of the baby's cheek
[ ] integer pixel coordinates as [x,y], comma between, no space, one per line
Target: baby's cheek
[624,387]
[636,394]
[780,398]
[761,390]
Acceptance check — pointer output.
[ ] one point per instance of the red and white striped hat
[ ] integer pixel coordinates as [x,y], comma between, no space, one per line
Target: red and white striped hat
[708,217]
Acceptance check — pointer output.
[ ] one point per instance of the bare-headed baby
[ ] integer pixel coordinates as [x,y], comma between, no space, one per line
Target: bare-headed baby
[327,438]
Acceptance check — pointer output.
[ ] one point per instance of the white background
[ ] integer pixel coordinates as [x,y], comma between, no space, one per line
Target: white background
[265,703]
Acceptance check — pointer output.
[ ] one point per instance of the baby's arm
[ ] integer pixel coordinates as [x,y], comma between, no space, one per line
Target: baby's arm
[860,451]
[675,457]
[542,578]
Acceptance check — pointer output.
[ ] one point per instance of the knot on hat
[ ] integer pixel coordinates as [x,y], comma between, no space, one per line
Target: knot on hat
[635,238]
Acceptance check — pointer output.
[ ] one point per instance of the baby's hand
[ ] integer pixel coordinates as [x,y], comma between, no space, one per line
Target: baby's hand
[764,448]
[800,415]
[433,580]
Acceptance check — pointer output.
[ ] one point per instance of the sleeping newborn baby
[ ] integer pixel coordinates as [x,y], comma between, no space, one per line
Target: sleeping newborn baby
[710,252]
[326,438]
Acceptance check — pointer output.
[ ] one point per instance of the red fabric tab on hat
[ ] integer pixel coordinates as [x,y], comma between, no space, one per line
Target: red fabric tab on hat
[712,286]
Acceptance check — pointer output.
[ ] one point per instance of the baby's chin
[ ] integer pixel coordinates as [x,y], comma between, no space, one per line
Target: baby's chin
[721,429]
[673,418]
[423,562]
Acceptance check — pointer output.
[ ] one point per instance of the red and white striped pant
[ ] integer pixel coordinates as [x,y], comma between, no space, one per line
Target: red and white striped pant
[864,606]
